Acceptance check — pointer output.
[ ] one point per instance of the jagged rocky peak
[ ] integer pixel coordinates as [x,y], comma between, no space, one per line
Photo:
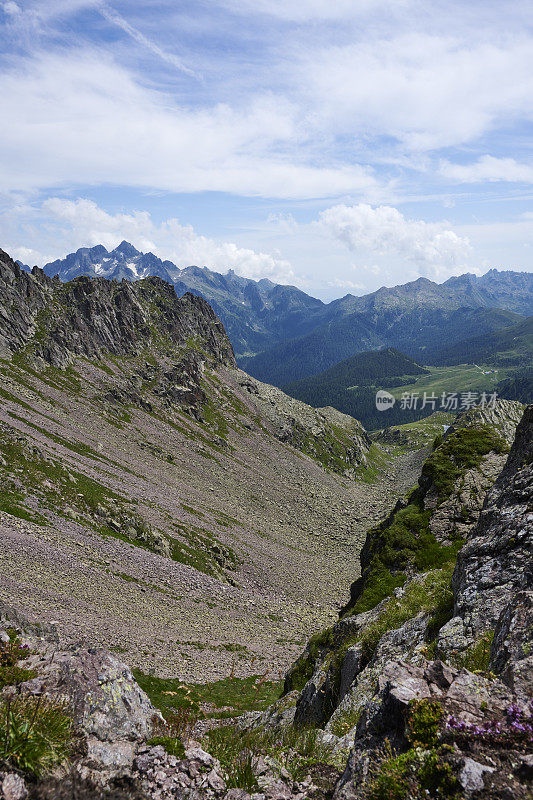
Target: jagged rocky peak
[92,316]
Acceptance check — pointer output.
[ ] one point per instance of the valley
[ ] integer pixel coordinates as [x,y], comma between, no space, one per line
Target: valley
[212,590]
[198,534]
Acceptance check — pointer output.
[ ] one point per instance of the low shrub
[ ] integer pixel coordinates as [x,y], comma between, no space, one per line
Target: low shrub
[294,749]
[11,653]
[424,722]
[477,657]
[174,732]
[416,775]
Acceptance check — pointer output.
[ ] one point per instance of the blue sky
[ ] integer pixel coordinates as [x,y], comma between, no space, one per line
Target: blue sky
[339,146]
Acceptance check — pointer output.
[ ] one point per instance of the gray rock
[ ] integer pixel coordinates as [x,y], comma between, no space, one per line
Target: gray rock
[107,702]
[471,775]
[14,787]
[495,563]
[117,755]
[512,647]
[237,794]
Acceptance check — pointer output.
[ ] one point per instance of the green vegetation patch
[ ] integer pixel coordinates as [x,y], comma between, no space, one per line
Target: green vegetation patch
[427,595]
[462,450]
[414,775]
[11,652]
[236,694]
[425,770]
[403,543]
[35,734]
[294,749]
[477,657]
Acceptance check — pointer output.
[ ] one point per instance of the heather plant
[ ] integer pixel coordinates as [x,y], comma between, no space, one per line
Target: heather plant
[516,728]
[424,722]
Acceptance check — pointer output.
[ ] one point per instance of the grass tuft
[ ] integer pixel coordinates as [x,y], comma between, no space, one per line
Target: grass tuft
[35,734]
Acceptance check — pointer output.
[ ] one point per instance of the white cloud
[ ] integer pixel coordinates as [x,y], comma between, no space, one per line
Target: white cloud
[12,9]
[70,224]
[427,91]
[489,168]
[307,10]
[345,284]
[386,232]
[80,119]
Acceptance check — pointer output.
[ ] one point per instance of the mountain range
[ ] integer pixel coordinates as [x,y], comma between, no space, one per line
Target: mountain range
[280,334]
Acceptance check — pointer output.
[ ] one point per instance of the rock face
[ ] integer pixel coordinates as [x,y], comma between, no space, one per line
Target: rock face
[335,439]
[462,699]
[464,651]
[450,494]
[91,316]
[494,569]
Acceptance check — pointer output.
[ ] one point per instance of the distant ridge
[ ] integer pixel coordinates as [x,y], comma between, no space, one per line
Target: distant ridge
[281,334]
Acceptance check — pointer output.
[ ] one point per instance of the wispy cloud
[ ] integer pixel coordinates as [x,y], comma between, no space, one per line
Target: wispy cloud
[84,120]
[489,168]
[117,19]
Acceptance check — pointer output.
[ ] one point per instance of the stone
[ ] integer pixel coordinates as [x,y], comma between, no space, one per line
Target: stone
[107,702]
[471,775]
[111,755]
[496,558]
[351,666]
[215,781]
[237,794]
[198,754]
[14,787]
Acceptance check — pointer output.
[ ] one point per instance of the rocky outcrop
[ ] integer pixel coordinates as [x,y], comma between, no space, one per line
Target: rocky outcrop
[336,440]
[495,565]
[112,724]
[168,343]
[446,504]
[477,740]
[365,676]
[93,316]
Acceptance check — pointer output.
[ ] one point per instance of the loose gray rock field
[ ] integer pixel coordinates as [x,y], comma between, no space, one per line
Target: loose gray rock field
[275,535]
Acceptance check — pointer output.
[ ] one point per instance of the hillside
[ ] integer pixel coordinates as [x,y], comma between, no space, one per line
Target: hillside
[351,385]
[414,330]
[510,347]
[158,500]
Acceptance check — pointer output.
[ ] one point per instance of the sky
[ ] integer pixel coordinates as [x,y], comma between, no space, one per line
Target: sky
[338,146]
